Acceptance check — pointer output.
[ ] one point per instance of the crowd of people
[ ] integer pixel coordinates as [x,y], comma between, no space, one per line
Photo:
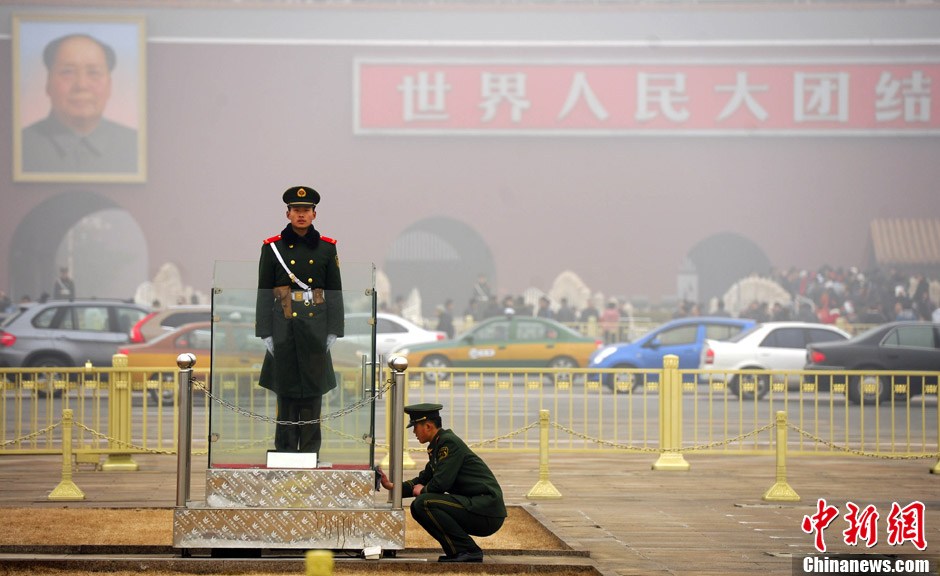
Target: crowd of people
[833,294]
[827,295]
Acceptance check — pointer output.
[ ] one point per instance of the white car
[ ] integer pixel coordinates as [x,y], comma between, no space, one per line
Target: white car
[766,346]
[391,331]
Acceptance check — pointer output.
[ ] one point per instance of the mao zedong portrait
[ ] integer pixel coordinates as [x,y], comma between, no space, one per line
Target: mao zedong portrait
[75,136]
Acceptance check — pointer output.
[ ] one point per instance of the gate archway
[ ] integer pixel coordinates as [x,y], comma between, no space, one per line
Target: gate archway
[441,257]
[105,245]
[722,259]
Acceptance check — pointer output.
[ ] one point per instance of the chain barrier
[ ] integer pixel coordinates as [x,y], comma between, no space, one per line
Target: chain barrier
[616,445]
[96,434]
[832,445]
[506,436]
[48,428]
[124,444]
[253,415]
[627,447]
[478,444]
[727,441]
[248,445]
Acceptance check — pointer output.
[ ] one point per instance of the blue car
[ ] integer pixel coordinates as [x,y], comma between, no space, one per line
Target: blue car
[683,337]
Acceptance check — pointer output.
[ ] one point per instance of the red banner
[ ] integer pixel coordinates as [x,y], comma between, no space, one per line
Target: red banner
[488,98]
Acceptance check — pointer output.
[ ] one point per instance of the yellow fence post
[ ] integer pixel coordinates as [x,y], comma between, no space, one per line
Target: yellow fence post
[781,491]
[936,467]
[543,489]
[670,417]
[66,490]
[84,455]
[119,417]
[319,563]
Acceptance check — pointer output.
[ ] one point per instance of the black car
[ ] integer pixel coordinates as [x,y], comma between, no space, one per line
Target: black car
[892,347]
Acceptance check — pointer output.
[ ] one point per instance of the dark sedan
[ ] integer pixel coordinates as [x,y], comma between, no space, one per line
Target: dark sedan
[892,347]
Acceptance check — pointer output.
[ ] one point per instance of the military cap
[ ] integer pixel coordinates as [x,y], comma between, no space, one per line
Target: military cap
[422,412]
[301,196]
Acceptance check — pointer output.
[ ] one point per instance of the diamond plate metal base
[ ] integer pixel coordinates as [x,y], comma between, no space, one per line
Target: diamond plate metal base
[278,509]
[290,488]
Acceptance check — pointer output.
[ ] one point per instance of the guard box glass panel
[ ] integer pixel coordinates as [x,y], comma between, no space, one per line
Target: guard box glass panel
[243,415]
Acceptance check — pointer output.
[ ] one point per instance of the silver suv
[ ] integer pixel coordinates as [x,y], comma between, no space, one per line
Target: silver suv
[67,333]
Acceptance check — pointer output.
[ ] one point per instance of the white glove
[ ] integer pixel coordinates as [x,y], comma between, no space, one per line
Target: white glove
[330,338]
[269,344]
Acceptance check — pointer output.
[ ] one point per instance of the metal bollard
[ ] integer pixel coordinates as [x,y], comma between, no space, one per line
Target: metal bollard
[184,446]
[67,490]
[396,442]
[543,489]
[781,491]
[408,462]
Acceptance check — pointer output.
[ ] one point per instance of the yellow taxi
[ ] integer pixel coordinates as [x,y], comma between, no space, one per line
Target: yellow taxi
[507,342]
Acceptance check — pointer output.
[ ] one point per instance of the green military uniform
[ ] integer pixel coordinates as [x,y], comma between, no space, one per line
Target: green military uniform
[300,371]
[460,496]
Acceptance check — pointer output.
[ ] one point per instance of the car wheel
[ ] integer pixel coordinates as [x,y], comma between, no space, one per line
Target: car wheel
[560,363]
[757,383]
[44,380]
[563,362]
[623,382]
[436,361]
[864,389]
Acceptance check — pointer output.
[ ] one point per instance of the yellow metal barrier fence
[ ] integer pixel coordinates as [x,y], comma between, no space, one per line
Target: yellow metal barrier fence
[116,410]
[619,409]
[612,410]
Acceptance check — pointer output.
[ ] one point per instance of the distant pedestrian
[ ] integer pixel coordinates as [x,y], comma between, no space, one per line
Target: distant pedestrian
[445,318]
[564,313]
[610,322]
[544,310]
[64,288]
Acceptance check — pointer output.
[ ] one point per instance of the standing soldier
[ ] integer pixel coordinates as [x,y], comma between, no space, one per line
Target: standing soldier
[299,316]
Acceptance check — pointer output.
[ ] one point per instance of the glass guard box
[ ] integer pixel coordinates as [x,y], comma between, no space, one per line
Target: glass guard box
[252,504]
[242,414]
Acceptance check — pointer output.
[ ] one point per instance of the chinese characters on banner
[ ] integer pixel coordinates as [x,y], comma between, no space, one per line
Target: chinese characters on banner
[477,97]
[903,524]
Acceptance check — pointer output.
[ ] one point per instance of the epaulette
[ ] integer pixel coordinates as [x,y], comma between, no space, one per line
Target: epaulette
[273,239]
[327,239]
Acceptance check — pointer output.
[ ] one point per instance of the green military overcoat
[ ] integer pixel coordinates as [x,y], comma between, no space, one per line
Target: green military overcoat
[453,468]
[301,367]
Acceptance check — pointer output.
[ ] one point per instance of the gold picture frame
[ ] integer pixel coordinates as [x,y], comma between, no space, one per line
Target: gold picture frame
[79,98]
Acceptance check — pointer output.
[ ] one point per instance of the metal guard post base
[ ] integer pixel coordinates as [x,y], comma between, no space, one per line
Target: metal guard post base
[289,509]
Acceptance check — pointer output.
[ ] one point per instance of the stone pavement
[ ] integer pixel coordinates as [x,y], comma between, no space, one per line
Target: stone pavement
[631,519]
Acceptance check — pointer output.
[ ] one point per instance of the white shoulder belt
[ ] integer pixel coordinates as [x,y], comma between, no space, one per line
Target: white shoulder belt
[308,293]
